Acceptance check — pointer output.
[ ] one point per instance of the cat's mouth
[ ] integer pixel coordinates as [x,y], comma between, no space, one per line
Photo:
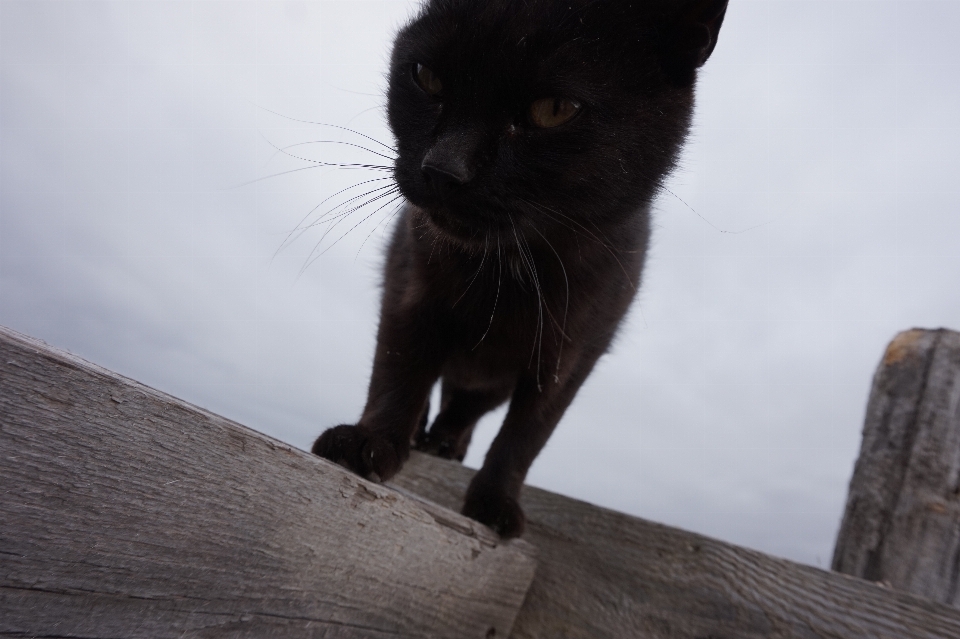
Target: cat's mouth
[469,215]
[457,224]
[470,228]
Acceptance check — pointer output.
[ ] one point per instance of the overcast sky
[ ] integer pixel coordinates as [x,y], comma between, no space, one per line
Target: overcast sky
[816,214]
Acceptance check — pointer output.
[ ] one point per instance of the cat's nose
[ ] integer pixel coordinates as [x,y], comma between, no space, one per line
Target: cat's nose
[450,162]
[444,173]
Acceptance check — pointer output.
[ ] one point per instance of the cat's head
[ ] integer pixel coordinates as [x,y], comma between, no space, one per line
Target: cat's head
[536,112]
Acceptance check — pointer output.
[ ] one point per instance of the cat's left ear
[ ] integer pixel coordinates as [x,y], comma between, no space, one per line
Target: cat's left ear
[693,34]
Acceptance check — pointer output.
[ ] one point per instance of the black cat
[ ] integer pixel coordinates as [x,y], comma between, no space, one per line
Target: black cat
[532,136]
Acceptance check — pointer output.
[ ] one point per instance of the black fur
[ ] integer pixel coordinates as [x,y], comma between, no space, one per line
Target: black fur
[520,248]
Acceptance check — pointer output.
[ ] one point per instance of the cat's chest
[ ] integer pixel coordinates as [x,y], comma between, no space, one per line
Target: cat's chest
[493,320]
[502,295]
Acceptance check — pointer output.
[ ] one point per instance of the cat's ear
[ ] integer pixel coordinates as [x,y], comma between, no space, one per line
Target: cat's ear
[692,36]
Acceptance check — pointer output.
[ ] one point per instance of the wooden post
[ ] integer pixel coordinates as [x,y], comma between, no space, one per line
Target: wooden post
[125,512]
[902,520]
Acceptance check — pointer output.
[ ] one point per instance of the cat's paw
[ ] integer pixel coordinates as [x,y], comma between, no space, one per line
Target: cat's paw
[492,507]
[369,455]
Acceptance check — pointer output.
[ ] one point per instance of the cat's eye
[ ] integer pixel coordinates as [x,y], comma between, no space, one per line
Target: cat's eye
[550,112]
[427,79]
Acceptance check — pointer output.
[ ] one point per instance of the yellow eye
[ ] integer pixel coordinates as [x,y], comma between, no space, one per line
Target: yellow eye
[551,112]
[427,80]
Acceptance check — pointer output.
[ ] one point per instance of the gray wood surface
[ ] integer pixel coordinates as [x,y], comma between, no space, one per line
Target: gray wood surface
[605,574]
[902,521]
[125,512]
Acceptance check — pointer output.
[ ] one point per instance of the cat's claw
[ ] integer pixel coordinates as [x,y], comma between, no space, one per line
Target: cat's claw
[371,456]
[495,509]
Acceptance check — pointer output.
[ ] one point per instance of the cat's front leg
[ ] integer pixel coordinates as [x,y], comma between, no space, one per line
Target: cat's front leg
[493,496]
[406,365]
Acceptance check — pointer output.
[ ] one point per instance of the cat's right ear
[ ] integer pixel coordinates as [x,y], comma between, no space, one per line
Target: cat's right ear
[692,36]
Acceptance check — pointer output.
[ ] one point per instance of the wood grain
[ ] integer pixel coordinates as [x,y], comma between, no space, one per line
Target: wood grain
[125,512]
[902,519]
[605,574]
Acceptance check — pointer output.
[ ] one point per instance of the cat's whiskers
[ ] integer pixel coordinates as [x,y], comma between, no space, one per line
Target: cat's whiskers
[532,269]
[386,219]
[357,115]
[433,246]
[523,243]
[589,234]
[581,231]
[337,214]
[544,301]
[364,167]
[390,190]
[299,227]
[566,304]
[320,163]
[342,216]
[497,298]
[312,258]
[325,217]
[659,184]
[356,146]
[479,268]
[360,165]
[527,253]
[332,126]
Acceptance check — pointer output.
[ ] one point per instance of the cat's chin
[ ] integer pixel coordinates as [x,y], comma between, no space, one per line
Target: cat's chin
[452,227]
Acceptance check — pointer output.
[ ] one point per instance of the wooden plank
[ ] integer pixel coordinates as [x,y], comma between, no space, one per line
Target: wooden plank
[606,574]
[902,521]
[126,512]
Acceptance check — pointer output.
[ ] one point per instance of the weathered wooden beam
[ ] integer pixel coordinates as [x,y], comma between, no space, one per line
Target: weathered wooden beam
[902,521]
[125,512]
[603,574]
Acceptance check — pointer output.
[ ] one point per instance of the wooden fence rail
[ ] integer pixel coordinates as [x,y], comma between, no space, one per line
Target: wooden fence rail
[125,512]
[128,513]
